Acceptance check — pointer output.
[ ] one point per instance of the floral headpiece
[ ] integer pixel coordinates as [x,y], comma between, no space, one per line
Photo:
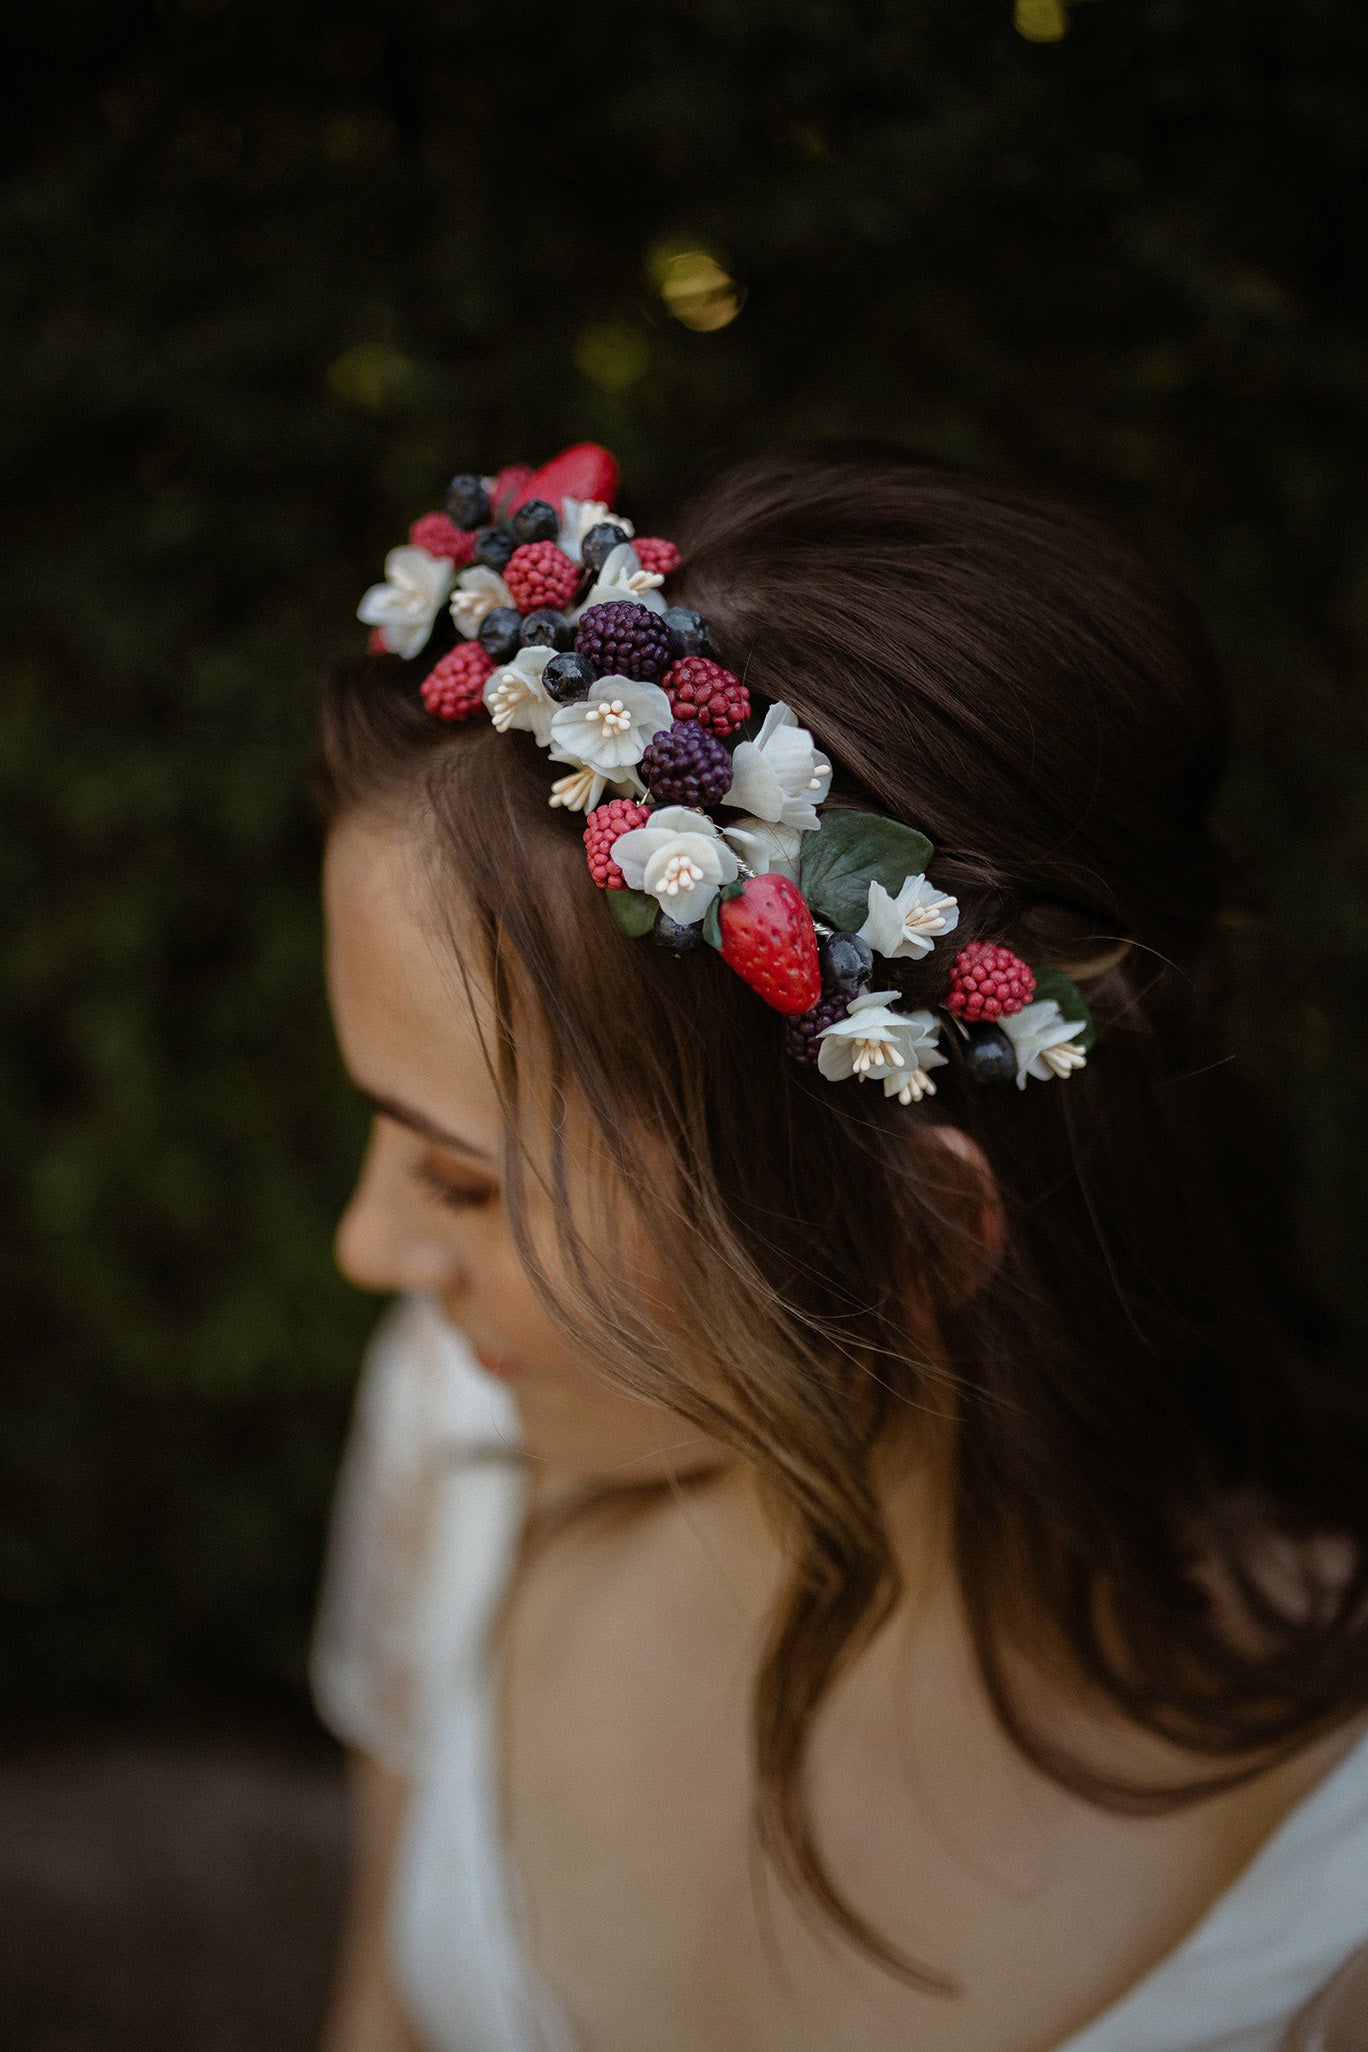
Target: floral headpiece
[704,825]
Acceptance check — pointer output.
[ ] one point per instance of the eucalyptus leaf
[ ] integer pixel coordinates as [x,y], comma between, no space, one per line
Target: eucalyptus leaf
[849,852]
[1053,983]
[634,911]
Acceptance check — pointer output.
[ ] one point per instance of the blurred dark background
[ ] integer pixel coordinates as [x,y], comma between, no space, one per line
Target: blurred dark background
[270,274]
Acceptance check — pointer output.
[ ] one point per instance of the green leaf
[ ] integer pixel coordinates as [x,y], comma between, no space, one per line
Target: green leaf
[712,930]
[849,852]
[1053,983]
[634,911]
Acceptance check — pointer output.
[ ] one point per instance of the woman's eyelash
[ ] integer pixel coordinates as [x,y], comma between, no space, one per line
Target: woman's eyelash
[451,1190]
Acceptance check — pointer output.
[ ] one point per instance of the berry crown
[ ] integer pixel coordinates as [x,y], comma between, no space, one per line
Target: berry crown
[705,823]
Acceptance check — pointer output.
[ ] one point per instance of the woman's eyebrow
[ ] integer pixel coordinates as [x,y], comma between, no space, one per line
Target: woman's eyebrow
[404,1115]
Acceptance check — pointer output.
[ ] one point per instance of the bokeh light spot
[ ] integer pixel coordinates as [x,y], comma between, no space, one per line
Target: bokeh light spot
[368,374]
[612,356]
[695,288]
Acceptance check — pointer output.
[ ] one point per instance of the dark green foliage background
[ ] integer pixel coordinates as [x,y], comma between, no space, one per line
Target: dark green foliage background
[270,274]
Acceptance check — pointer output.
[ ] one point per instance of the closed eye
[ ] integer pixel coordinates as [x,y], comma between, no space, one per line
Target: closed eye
[457,1192]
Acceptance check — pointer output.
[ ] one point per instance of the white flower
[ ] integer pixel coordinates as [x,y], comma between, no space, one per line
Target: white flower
[514,695]
[1044,1042]
[578,516]
[679,858]
[878,1044]
[478,591]
[608,730]
[780,776]
[909,923]
[622,577]
[405,606]
[581,790]
[766,848]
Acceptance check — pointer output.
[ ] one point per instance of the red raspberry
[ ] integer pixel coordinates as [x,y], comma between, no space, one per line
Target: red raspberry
[539,574]
[605,824]
[657,555]
[441,537]
[455,689]
[988,982]
[700,689]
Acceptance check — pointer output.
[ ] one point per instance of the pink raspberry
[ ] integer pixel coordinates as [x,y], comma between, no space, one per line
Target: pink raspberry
[375,642]
[700,689]
[657,555]
[539,574]
[988,982]
[454,690]
[441,537]
[606,823]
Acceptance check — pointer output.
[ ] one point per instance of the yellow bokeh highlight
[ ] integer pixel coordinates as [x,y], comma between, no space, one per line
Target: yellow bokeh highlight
[611,356]
[1041,21]
[695,287]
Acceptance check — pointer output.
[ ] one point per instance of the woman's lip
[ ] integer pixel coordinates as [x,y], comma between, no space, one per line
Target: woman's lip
[496,1364]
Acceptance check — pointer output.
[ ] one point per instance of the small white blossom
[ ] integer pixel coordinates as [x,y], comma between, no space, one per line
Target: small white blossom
[780,776]
[514,695]
[765,847]
[478,591]
[877,1044]
[578,516]
[608,730]
[406,604]
[582,789]
[678,857]
[910,923]
[1044,1041]
[622,577]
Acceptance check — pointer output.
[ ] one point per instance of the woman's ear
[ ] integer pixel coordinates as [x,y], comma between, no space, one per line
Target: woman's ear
[990,1225]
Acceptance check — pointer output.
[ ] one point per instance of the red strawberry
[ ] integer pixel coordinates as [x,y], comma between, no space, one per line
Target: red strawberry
[768,939]
[506,488]
[585,472]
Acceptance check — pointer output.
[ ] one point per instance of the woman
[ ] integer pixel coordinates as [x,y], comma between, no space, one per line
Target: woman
[819,1566]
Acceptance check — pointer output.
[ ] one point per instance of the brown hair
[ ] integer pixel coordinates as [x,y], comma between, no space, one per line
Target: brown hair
[1127,1398]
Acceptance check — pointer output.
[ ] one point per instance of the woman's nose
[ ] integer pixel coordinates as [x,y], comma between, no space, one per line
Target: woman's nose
[385,1239]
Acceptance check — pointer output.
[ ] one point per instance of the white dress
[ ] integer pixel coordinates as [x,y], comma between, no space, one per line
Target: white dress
[427,1522]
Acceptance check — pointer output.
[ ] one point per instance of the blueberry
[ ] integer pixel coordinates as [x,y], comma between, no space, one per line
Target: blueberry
[688,632]
[847,962]
[989,1055]
[500,633]
[671,934]
[467,502]
[567,678]
[546,629]
[599,543]
[535,521]
[493,547]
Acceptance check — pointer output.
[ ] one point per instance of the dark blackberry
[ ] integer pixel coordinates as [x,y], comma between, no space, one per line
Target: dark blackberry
[686,765]
[500,633]
[623,639]
[493,547]
[847,962]
[535,521]
[801,1034]
[599,543]
[467,502]
[688,632]
[567,678]
[989,1055]
[673,935]
[546,629]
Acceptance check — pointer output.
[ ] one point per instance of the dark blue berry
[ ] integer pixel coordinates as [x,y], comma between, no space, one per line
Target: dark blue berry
[567,678]
[535,520]
[599,543]
[988,1054]
[467,502]
[686,765]
[493,547]
[802,1035]
[672,934]
[546,629]
[847,962]
[500,634]
[624,639]
[688,632]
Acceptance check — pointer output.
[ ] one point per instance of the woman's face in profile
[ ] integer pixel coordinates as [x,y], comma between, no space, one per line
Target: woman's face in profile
[427,1213]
